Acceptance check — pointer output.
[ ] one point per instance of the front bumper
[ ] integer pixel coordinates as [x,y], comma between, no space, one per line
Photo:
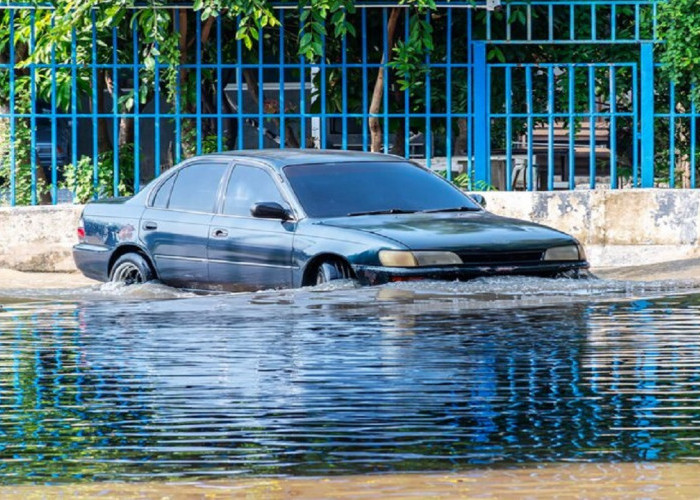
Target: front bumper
[378,275]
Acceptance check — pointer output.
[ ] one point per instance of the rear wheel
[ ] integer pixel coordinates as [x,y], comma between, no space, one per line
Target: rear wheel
[332,270]
[131,269]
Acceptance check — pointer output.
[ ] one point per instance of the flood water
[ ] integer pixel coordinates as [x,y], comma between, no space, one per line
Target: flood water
[148,383]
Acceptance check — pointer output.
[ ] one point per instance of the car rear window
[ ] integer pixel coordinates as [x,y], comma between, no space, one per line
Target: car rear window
[340,189]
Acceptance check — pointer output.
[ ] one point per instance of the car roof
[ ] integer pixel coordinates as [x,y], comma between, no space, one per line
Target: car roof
[278,158]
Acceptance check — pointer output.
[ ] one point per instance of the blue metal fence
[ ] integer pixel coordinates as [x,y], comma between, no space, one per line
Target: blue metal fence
[508,96]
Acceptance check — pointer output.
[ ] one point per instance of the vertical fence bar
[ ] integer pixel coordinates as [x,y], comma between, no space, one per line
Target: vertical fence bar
[54,170]
[509,127]
[591,126]
[572,21]
[137,109]
[594,22]
[550,127]
[344,89]
[365,125]
[261,95]
[613,22]
[156,118]
[74,100]
[406,96]
[428,112]
[635,127]
[177,147]
[13,154]
[95,108]
[239,88]
[470,97]
[448,119]
[32,120]
[550,22]
[672,136]
[647,114]
[198,79]
[282,105]
[481,115]
[530,157]
[509,31]
[385,81]
[219,90]
[115,111]
[324,81]
[302,91]
[613,128]
[693,138]
[572,127]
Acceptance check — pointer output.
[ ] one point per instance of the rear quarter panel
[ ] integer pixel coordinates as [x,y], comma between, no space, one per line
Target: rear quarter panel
[108,225]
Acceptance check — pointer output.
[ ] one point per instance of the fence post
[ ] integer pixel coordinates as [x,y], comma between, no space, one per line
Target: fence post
[481,115]
[647,114]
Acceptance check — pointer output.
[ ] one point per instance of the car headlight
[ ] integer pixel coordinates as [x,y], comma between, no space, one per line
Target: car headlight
[404,258]
[569,252]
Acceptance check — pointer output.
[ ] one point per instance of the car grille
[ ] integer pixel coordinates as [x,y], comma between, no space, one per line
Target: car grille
[501,258]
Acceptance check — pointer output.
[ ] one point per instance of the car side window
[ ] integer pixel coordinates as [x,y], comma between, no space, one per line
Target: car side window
[247,186]
[196,187]
[160,200]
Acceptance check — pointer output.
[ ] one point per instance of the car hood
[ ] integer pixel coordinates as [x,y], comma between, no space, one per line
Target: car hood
[475,231]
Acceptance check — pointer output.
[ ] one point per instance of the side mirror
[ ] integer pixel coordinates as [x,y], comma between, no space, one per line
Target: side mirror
[479,199]
[270,210]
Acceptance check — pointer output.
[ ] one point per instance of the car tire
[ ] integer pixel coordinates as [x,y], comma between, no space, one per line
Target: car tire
[331,271]
[131,269]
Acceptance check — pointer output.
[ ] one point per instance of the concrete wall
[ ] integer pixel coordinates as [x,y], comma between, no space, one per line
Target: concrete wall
[38,238]
[618,228]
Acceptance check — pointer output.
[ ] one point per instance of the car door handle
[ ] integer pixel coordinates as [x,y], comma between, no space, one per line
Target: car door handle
[220,233]
[150,226]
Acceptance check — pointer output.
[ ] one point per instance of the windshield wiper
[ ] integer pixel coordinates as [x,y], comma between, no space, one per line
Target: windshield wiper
[452,209]
[382,212]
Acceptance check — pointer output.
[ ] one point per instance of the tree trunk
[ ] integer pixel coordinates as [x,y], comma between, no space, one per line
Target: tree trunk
[104,142]
[375,127]
[461,140]
[251,81]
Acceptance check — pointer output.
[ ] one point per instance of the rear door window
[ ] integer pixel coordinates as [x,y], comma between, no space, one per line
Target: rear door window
[196,187]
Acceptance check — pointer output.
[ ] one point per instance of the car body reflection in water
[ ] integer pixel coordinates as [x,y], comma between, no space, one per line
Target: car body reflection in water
[341,381]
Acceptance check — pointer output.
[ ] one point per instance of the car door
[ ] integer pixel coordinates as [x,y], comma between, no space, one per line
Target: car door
[175,227]
[246,252]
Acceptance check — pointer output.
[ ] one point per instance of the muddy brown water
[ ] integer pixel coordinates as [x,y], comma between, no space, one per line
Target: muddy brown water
[495,387]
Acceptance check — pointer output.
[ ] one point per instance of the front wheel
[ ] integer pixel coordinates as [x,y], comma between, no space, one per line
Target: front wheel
[131,269]
[331,271]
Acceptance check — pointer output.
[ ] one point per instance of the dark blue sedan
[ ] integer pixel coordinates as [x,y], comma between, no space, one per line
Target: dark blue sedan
[250,220]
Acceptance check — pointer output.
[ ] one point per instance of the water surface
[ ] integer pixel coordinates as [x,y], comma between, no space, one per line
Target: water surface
[151,384]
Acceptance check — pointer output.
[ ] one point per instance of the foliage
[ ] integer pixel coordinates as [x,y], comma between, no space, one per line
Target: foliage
[89,181]
[679,27]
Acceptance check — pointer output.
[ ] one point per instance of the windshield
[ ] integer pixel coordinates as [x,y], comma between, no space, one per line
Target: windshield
[342,189]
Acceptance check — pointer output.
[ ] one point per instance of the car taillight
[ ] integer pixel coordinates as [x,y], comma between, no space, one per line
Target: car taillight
[81,231]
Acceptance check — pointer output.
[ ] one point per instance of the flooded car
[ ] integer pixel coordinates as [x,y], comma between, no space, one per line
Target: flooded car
[250,220]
